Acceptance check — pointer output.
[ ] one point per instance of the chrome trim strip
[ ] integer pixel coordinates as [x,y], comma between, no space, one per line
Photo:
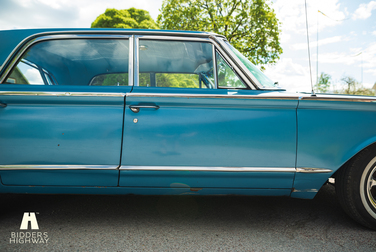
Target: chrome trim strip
[260,96]
[238,64]
[215,67]
[331,98]
[37,93]
[130,62]
[312,170]
[209,169]
[212,96]
[157,37]
[59,167]
[136,61]
[23,48]
[304,191]
[248,81]
[106,33]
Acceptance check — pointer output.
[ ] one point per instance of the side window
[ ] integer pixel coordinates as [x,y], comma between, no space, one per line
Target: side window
[175,64]
[227,78]
[79,62]
[26,73]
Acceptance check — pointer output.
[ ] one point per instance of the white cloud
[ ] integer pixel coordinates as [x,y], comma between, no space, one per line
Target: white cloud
[357,57]
[364,11]
[313,44]
[33,76]
[371,71]
[290,75]
[64,13]
[292,14]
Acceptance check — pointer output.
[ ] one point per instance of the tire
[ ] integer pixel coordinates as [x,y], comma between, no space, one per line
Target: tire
[356,187]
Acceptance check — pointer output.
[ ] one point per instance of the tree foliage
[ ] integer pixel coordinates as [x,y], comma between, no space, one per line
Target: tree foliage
[172,80]
[130,18]
[323,83]
[250,25]
[353,87]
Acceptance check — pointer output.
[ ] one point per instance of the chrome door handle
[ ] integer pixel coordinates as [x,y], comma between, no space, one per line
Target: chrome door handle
[136,108]
[2,105]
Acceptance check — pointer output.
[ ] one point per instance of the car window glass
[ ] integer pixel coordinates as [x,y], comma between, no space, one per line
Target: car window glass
[227,78]
[25,73]
[260,76]
[175,64]
[97,62]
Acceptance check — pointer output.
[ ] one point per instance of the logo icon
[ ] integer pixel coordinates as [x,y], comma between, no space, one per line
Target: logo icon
[29,217]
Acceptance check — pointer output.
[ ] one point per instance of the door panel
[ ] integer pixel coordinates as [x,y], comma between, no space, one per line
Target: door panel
[63,116]
[208,128]
[57,139]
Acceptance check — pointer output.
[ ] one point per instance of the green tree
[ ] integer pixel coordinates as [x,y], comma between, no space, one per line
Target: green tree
[250,25]
[353,87]
[323,83]
[130,18]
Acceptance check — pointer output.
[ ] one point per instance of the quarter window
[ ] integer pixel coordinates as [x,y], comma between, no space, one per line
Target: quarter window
[80,62]
[227,78]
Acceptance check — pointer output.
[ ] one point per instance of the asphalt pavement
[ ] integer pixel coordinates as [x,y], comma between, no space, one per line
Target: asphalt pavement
[181,223]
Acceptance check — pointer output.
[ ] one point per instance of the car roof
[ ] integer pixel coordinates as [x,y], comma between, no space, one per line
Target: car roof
[10,39]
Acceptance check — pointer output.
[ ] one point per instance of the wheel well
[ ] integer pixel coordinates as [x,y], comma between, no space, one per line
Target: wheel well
[371,146]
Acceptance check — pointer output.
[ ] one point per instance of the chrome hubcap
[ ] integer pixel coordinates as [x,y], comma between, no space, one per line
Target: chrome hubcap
[368,188]
[371,187]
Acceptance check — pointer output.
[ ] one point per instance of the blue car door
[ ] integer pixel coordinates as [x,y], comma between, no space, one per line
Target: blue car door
[61,118]
[191,122]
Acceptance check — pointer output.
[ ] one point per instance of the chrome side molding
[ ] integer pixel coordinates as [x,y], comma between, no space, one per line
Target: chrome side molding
[59,167]
[208,169]
[165,168]
[312,170]
[37,93]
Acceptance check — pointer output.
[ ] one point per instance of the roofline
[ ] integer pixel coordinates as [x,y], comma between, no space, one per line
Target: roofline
[52,31]
[118,31]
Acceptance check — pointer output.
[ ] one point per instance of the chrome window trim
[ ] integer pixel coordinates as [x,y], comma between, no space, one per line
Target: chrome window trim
[30,43]
[172,38]
[260,96]
[85,94]
[180,95]
[215,70]
[246,79]
[158,37]
[105,33]
[131,60]
[209,39]
[239,63]
[59,167]
[208,169]
[136,61]
[312,170]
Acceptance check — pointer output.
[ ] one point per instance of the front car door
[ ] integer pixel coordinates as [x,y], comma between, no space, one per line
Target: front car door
[62,111]
[193,122]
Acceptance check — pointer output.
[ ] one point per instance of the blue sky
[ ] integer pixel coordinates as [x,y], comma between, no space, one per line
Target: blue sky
[347,33]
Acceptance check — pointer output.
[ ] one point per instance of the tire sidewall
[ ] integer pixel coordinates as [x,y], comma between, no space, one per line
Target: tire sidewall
[362,170]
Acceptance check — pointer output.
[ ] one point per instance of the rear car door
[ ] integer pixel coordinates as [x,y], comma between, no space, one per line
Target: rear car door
[192,122]
[62,111]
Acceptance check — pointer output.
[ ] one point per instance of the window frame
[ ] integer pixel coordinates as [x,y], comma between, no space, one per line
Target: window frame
[18,56]
[233,70]
[215,48]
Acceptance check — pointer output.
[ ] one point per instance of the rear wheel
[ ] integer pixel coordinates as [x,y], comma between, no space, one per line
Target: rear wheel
[356,187]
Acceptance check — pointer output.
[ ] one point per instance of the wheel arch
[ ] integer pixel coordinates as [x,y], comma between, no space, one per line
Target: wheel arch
[306,185]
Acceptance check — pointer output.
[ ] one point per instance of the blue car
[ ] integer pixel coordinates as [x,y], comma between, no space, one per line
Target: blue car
[154,112]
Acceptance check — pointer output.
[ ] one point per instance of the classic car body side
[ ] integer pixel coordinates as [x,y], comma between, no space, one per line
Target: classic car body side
[102,120]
